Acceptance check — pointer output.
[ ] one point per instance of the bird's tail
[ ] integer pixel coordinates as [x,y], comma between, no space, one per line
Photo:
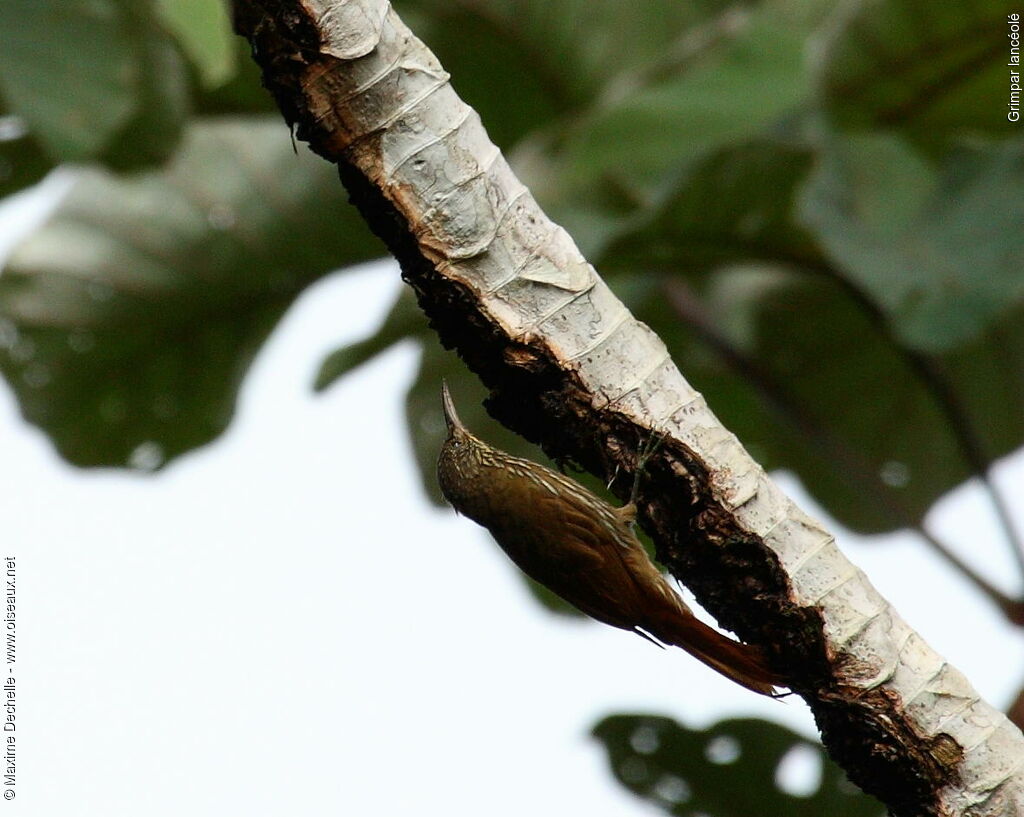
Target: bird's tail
[743,663]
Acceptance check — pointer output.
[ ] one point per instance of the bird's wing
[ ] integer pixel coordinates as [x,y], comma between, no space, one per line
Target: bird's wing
[585,554]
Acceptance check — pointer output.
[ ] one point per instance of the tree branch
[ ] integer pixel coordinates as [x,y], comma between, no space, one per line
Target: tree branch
[569,366]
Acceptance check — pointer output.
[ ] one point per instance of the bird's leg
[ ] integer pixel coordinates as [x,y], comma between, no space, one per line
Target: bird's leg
[647,450]
[650,446]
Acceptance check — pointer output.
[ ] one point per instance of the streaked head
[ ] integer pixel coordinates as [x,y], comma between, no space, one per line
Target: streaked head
[460,458]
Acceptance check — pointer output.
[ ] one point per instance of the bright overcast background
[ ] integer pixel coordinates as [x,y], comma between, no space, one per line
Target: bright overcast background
[280,624]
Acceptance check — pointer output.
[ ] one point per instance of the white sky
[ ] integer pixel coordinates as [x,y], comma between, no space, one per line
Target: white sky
[279,624]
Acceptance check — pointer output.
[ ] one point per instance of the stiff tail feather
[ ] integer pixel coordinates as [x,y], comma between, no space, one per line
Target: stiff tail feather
[743,663]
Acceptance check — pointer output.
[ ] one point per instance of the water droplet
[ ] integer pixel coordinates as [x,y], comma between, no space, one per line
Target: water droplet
[11,128]
[799,771]
[432,423]
[722,749]
[633,770]
[221,217]
[672,789]
[24,350]
[147,456]
[81,341]
[36,375]
[895,474]
[645,740]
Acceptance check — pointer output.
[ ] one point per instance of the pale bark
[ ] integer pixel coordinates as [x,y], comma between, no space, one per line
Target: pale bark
[487,263]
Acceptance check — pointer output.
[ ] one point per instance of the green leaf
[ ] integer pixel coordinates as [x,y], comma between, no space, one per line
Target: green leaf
[86,74]
[939,252]
[821,389]
[726,770]
[204,31]
[128,320]
[735,205]
[162,103]
[937,72]
[599,119]
[74,98]
[243,93]
[533,51]
[404,321]
[745,80]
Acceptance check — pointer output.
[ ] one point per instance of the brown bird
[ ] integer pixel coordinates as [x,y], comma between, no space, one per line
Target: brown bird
[581,548]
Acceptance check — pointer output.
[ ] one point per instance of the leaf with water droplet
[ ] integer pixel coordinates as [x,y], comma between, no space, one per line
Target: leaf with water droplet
[734,768]
[134,312]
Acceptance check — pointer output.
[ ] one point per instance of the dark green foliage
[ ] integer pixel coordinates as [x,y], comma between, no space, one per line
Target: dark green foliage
[93,79]
[935,72]
[727,770]
[128,320]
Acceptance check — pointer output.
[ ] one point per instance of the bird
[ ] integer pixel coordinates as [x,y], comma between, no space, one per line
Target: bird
[583,549]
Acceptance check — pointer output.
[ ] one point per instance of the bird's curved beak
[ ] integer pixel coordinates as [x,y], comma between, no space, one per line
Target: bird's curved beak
[450,415]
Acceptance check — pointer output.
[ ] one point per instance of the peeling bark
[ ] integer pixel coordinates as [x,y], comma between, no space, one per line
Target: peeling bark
[569,367]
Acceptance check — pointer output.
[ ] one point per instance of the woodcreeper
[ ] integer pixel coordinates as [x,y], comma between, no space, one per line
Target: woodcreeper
[583,549]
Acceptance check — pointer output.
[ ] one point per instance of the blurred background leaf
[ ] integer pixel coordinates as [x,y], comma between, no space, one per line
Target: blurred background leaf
[735,205]
[938,74]
[812,381]
[120,91]
[205,34]
[938,249]
[131,316]
[734,768]
[551,72]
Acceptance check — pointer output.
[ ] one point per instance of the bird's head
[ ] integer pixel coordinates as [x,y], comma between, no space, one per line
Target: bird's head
[461,455]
